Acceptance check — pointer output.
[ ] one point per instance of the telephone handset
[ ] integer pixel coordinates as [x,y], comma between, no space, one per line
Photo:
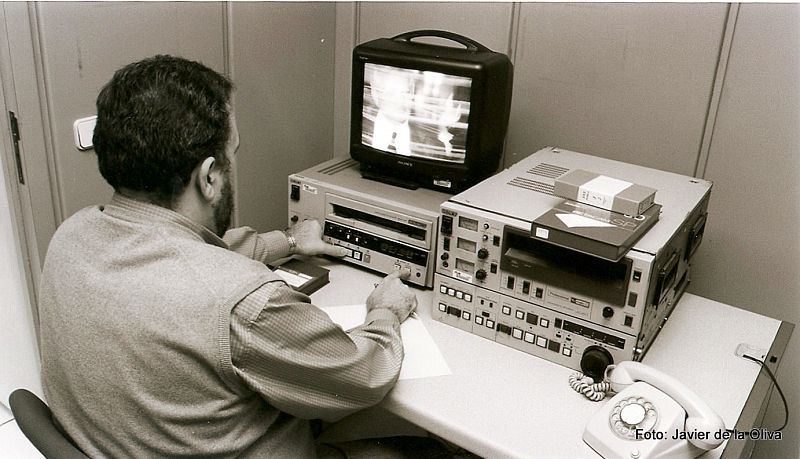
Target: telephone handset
[652,415]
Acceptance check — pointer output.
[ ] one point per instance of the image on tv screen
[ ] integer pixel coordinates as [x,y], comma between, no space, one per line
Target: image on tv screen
[415,113]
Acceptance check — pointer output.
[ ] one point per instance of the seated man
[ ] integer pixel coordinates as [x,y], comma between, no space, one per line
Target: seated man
[162,334]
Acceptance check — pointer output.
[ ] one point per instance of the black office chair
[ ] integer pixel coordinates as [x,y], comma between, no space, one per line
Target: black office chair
[35,420]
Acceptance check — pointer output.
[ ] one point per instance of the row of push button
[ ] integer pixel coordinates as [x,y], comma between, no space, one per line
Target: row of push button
[455,293]
[529,317]
[453,311]
[529,337]
[355,254]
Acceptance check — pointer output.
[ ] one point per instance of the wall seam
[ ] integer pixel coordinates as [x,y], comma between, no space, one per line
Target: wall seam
[229,70]
[46,110]
[716,91]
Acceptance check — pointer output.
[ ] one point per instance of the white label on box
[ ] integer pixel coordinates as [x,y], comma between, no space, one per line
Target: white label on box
[309,188]
[600,191]
[461,275]
[542,233]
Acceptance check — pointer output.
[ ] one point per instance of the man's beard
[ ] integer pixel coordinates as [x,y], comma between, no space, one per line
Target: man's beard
[224,208]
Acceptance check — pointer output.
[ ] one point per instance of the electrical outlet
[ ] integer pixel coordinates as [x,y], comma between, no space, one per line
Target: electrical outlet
[755,352]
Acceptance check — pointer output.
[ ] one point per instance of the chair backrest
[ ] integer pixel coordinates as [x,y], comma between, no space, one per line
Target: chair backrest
[35,420]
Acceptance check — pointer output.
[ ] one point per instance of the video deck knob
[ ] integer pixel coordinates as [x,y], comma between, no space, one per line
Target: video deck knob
[608,312]
[594,362]
[483,254]
[480,274]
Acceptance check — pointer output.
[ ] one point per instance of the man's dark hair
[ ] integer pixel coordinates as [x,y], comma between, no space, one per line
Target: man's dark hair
[157,119]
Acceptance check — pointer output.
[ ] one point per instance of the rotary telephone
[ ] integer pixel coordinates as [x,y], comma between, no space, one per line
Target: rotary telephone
[653,415]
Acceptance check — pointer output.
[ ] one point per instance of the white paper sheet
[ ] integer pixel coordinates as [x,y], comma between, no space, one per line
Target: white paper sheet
[422,356]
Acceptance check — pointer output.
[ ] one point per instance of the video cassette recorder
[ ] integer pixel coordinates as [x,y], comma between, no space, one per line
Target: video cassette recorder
[384,227]
[499,275]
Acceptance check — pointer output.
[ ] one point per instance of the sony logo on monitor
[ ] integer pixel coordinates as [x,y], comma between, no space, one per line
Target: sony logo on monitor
[405,163]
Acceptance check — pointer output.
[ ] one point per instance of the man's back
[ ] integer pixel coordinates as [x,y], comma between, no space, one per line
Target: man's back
[135,315]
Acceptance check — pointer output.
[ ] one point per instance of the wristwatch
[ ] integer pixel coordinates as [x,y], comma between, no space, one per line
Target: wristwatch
[292,242]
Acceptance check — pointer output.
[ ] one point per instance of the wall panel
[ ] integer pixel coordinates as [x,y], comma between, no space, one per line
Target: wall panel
[283,67]
[631,82]
[750,255]
[83,43]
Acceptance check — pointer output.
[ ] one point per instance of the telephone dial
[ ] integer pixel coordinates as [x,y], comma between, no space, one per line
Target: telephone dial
[653,415]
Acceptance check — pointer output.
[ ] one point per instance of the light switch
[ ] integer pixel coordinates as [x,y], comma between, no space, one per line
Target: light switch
[84,130]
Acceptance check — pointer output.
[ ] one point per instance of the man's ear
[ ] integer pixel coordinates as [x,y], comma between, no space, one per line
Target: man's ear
[207,178]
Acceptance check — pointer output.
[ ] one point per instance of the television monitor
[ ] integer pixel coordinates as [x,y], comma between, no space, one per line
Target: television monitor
[429,115]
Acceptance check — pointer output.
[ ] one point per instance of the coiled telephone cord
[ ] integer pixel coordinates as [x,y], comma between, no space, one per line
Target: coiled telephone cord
[585,385]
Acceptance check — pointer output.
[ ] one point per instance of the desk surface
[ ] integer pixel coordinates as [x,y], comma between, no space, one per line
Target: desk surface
[500,402]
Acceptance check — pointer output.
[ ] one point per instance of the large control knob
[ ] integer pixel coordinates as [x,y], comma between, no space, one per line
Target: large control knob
[608,312]
[483,254]
[480,274]
[594,362]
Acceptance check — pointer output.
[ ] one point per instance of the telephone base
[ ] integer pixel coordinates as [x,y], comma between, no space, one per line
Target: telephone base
[662,421]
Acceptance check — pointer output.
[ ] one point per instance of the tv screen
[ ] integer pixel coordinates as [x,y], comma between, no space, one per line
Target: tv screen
[429,115]
[421,114]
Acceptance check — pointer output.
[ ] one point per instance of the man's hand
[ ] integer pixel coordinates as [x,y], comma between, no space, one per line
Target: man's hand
[308,236]
[392,294]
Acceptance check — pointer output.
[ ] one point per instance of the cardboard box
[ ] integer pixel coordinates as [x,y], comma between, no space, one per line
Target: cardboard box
[605,192]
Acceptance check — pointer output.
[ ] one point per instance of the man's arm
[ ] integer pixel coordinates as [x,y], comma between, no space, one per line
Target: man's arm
[302,363]
[268,247]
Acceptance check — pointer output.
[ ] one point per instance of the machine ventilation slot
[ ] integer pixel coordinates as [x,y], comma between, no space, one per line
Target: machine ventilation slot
[532,185]
[548,170]
[335,168]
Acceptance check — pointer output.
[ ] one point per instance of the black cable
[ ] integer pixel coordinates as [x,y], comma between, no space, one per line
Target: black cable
[777,386]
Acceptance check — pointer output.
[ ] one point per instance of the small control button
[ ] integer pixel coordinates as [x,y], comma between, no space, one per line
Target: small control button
[451,291]
[496,241]
[539,292]
[503,328]
[637,276]
[628,321]
[446,243]
[493,268]
[510,283]
[468,298]
[447,224]
[442,307]
[567,351]
[554,346]
[443,289]
[541,341]
[479,320]
[466,315]
[459,295]
[632,298]
[294,194]
[489,323]
[544,322]
[530,337]
[519,314]
[532,318]
[357,255]
[506,310]
[516,333]
[526,287]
